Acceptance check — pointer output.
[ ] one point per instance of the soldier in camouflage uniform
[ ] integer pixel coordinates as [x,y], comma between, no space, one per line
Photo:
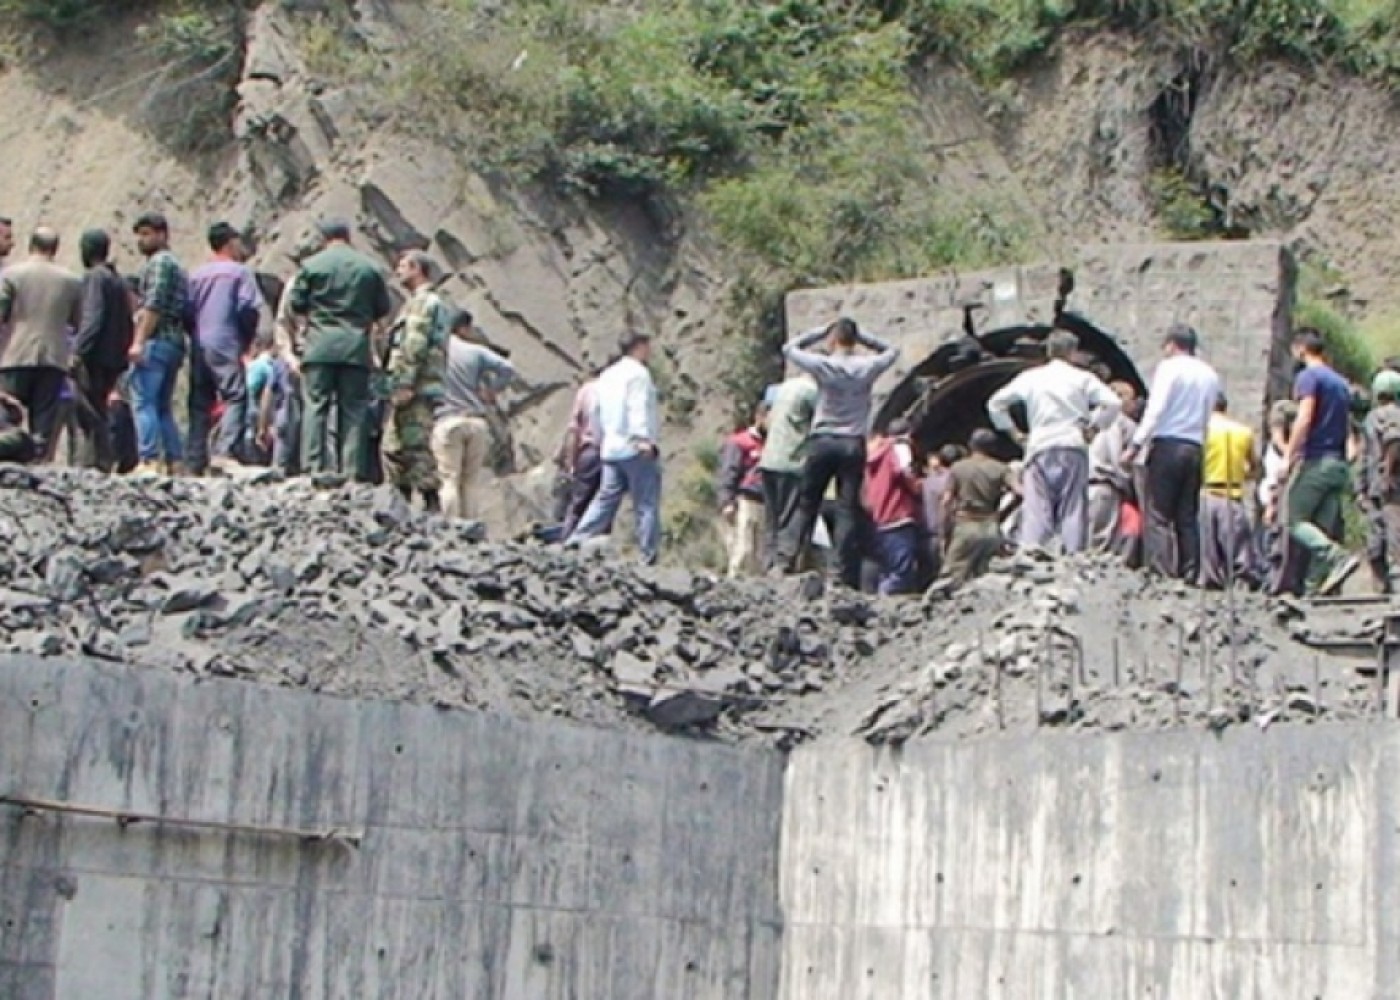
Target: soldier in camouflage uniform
[1378,482]
[415,369]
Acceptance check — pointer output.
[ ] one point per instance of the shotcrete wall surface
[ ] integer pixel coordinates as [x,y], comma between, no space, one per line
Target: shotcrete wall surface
[498,859]
[1183,866]
[1239,295]
[508,860]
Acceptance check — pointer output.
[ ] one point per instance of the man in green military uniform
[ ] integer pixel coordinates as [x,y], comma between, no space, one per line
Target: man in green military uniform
[336,301]
[415,371]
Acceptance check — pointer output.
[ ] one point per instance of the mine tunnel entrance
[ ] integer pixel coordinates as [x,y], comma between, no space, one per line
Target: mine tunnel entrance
[945,397]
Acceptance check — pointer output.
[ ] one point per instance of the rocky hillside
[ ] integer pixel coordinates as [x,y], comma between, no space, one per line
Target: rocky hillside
[1102,136]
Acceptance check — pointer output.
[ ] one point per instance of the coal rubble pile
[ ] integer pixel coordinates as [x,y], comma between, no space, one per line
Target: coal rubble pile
[349,592]
[1086,644]
[346,591]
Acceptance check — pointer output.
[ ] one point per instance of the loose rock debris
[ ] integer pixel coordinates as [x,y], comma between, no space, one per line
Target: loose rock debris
[346,591]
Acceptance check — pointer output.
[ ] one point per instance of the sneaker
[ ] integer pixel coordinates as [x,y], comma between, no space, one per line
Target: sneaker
[177,470]
[148,469]
[1341,572]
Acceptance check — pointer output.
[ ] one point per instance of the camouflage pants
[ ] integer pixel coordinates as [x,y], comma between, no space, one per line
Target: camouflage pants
[407,447]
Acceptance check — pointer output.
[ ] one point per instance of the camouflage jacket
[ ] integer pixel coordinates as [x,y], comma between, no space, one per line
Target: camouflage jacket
[418,348]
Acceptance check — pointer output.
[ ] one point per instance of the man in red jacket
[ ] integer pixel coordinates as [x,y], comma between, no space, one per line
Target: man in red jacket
[739,492]
[893,498]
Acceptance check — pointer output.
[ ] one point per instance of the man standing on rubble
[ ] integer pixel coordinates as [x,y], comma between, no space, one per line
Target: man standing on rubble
[579,456]
[1173,430]
[337,300]
[972,510]
[1230,465]
[224,309]
[100,350]
[1378,486]
[39,303]
[739,495]
[631,453]
[462,434]
[416,370]
[1065,407]
[1110,481]
[892,500]
[846,376]
[1317,461]
[791,408]
[158,347]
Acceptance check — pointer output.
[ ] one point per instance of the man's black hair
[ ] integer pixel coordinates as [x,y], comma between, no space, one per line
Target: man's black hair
[1310,340]
[94,246]
[151,220]
[1222,403]
[631,340]
[982,441]
[1183,338]
[463,318]
[221,234]
[949,454]
[5,220]
[845,331]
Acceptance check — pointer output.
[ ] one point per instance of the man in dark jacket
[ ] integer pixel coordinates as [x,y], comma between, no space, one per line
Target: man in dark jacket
[100,350]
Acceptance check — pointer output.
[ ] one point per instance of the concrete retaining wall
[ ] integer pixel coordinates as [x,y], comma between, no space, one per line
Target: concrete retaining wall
[499,859]
[1239,295]
[511,861]
[1171,865]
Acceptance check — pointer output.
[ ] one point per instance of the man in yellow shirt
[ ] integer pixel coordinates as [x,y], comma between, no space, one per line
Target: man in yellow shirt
[1229,465]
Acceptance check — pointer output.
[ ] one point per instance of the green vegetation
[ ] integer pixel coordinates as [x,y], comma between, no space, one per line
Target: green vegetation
[191,103]
[689,518]
[793,125]
[1352,353]
[1183,213]
[194,49]
[993,38]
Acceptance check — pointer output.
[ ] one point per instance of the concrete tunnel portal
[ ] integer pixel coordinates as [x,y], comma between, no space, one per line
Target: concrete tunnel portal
[944,398]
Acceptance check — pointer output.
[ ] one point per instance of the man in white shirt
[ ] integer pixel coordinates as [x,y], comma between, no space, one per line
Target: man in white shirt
[1065,406]
[1173,430]
[631,427]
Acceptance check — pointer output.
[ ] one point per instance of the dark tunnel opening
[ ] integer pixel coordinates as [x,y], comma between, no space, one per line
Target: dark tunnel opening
[945,397]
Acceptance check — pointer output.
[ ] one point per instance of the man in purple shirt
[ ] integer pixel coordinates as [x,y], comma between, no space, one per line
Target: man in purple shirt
[224,307]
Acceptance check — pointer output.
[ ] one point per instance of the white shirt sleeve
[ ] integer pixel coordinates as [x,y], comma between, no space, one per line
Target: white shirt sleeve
[999,406]
[1106,403]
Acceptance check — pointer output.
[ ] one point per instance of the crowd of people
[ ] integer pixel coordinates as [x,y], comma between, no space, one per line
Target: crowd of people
[1170,482]
[339,382]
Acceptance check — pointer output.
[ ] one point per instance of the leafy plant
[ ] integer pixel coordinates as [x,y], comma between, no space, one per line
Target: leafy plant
[1347,349]
[1184,212]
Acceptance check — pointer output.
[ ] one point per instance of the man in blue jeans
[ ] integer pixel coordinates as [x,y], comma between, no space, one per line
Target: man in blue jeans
[631,426]
[158,348]
[224,307]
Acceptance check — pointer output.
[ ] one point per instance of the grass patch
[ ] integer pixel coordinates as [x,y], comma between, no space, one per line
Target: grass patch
[690,515]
